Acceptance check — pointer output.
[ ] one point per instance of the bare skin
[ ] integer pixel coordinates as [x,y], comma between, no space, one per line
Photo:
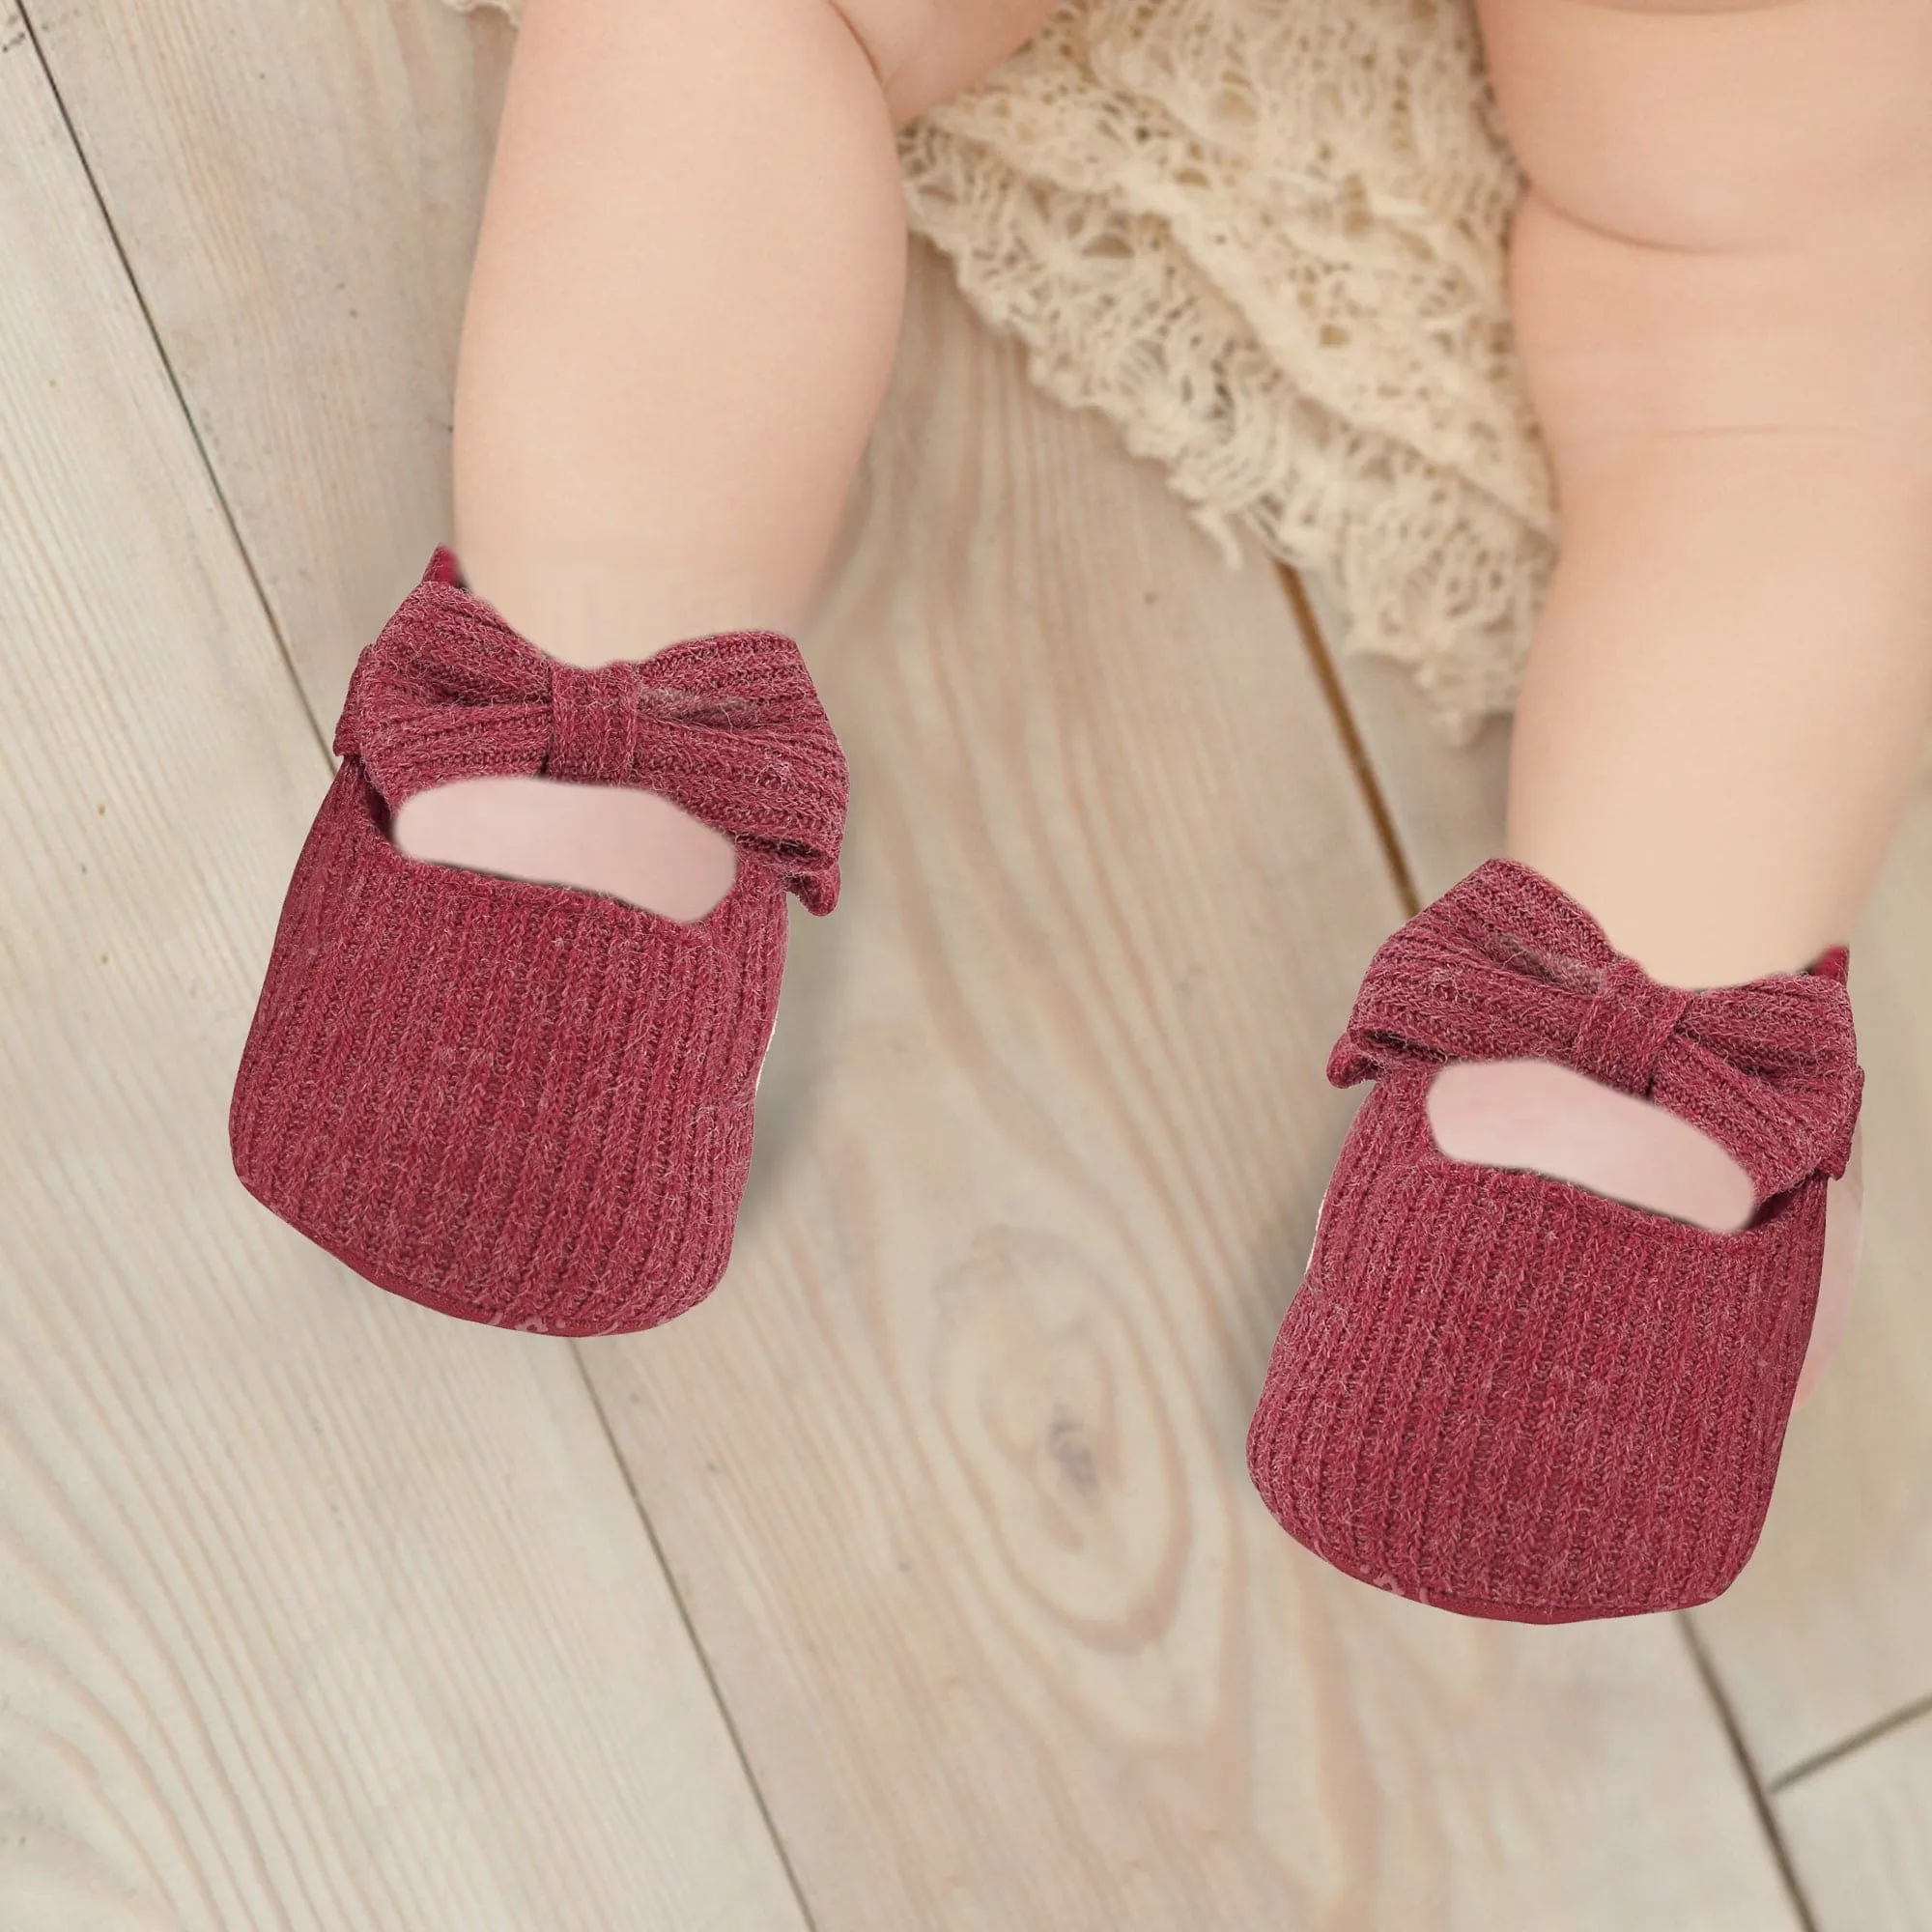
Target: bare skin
[683,313]
[664,387]
[1721,283]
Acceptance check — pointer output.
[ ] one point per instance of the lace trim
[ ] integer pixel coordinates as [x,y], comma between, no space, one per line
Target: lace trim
[1267,239]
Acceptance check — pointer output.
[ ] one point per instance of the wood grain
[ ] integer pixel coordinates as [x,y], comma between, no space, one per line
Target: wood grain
[298,191]
[1858,1834]
[1827,1632]
[315,1610]
[1444,802]
[951,1470]
[1824,1632]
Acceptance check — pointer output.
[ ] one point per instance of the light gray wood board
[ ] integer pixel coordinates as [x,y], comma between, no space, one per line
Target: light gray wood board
[315,1610]
[298,190]
[1444,801]
[951,1468]
[1860,1833]
[1826,1632]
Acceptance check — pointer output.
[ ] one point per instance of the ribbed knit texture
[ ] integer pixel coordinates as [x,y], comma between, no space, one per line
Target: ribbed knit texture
[524,1103]
[1506,1395]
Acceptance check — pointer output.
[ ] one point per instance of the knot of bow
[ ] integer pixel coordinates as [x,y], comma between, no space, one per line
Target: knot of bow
[728,727]
[1506,966]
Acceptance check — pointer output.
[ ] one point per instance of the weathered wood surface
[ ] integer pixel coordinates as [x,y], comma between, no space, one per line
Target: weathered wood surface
[315,1610]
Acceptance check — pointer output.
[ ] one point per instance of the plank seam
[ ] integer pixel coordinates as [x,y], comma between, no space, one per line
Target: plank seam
[698,1648]
[1820,1760]
[1322,661]
[1760,1795]
[320,737]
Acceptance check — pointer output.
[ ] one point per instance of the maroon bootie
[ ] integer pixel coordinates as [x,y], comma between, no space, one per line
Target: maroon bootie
[520,1103]
[1506,1395]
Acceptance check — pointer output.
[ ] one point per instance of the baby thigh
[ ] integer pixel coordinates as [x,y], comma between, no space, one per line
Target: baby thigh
[1729,216]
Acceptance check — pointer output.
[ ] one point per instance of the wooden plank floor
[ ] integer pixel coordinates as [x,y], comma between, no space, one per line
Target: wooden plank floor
[913,1580]
[314,1610]
[1822,1651]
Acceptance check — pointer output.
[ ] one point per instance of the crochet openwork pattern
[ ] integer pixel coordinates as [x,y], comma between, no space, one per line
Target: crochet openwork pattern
[1268,240]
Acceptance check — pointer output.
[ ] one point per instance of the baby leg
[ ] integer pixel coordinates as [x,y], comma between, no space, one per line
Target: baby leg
[681,321]
[1723,292]
[1722,282]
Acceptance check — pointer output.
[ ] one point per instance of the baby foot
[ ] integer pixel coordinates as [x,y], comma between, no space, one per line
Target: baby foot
[1550,1120]
[634,845]
[539,1100]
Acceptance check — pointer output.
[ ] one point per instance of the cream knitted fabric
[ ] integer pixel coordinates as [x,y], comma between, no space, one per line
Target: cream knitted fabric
[1267,239]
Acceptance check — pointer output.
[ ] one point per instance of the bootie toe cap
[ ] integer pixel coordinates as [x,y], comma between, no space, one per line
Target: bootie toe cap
[518,1103]
[1509,1397]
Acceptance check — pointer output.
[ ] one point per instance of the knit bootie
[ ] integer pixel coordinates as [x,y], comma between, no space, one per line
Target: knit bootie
[520,1103]
[1506,1395]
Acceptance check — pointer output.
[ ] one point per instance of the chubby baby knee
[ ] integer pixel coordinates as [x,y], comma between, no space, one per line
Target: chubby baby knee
[1722,124]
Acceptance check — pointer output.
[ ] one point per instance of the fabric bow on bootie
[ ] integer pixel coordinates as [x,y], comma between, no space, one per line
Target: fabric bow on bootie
[451,690]
[512,1100]
[1504,966]
[1507,1393]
